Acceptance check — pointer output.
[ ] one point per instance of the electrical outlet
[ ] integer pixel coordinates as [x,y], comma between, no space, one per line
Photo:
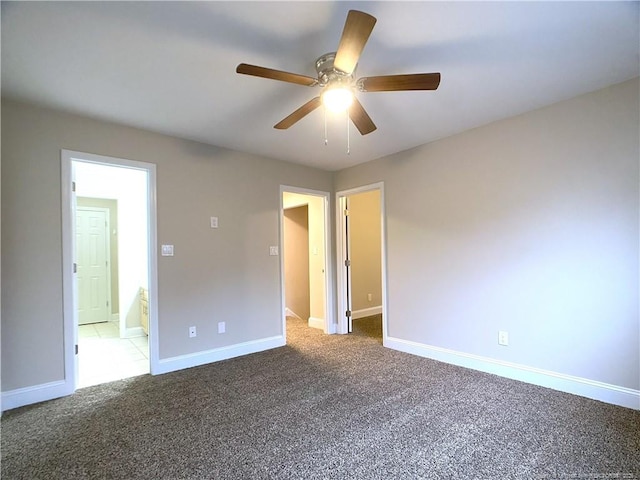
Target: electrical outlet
[192,332]
[222,327]
[503,338]
[369,296]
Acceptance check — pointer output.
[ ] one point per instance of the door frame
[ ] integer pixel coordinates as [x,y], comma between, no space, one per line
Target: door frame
[342,282]
[329,324]
[69,296]
[107,228]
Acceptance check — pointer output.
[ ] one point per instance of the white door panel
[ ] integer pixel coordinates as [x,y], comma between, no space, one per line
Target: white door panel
[93,270]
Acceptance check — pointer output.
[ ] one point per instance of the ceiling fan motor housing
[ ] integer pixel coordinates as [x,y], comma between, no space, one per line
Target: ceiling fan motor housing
[328,75]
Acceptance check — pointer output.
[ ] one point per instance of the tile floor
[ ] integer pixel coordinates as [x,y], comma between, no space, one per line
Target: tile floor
[105,357]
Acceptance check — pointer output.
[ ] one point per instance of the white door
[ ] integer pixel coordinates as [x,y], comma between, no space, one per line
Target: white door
[92,237]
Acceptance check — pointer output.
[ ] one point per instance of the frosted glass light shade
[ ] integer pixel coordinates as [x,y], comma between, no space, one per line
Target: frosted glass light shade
[337,99]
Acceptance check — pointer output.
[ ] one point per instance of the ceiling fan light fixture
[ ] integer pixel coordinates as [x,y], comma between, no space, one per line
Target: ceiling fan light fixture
[337,99]
[336,73]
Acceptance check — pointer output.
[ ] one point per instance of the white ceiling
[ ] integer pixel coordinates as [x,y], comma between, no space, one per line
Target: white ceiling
[169,67]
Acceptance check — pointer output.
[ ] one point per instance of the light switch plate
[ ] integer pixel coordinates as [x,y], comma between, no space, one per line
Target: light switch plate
[273,251]
[214,222]
[167,250]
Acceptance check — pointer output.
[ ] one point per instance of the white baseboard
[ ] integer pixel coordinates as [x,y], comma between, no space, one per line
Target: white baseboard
[366,312]
[317,323]
[622,396]
[180,362]
[131,332]
[115,317]
[290,313]
[48,391]
[35,394]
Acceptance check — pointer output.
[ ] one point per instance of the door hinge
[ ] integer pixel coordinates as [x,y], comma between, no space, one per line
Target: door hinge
[107,303]
[73,186]
[346,212]
[347,263]
[348,313]
[76,349]
[75,268]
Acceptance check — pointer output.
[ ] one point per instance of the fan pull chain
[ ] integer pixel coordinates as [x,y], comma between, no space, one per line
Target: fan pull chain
[348,137]
[326,141]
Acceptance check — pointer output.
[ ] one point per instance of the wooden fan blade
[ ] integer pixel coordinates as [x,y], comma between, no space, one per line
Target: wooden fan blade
[304,110]
[355,34]
[263,72]
[392,83]
[360,118]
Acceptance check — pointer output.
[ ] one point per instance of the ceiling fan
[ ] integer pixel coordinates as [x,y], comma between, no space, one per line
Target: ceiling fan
[335,75]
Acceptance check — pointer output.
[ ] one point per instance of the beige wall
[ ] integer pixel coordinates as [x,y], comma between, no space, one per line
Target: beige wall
[528,225]
[223,274]
[296,261]
[364,240]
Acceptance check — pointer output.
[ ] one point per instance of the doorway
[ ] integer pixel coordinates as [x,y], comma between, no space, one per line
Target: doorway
[361,260]
[109,240]
[297,294]
[305,259]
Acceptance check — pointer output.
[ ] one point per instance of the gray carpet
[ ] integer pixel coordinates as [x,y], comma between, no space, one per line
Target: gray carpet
[323,407]
[369,327]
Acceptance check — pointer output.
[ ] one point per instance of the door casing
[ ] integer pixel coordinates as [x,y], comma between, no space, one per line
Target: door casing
[70,321]
[330,326]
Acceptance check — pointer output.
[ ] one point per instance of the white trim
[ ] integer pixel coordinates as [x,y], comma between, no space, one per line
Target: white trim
[69,320]
[341,280]
[290,313]
[131,332]
[332,329]
[317,323]
[329,323]
[115,317]
[34,394]
[189,360]
[341,275]
[366,312]
[622,396]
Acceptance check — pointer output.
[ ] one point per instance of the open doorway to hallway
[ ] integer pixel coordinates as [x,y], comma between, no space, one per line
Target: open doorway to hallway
[305,258]
[111,225]
[297,292]
[361,262]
